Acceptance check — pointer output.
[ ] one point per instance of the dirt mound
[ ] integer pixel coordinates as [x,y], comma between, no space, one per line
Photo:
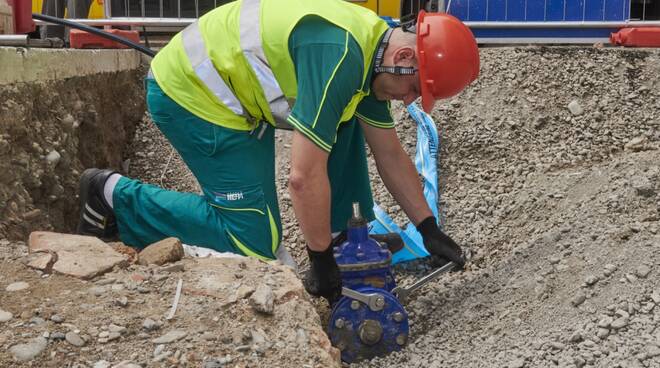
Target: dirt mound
[231,311]
[550,169]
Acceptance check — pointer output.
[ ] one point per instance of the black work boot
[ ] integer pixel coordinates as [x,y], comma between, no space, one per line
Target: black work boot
[96,216]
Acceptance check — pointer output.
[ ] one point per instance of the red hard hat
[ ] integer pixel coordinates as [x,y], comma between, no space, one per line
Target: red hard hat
[447,54]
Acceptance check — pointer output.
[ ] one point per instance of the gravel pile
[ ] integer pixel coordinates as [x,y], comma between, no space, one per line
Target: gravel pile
[549,171]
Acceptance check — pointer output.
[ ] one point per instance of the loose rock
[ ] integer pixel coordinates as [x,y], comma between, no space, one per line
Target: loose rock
[17,286]
[168,250]
[170,337]
[262,300]
[74,339]
[28,351]
[5,316]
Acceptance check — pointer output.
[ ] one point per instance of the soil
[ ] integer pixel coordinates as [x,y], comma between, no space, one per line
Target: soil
[49,133]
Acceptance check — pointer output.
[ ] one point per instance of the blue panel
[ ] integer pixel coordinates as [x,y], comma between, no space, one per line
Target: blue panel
[614,9]
[535,10]
[478,10]
[555,10]
[515,10]
[496,10]
[543,33]
[459,9]
[574,10]
[594,10]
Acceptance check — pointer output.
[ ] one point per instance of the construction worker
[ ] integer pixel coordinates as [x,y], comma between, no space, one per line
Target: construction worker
[327,69]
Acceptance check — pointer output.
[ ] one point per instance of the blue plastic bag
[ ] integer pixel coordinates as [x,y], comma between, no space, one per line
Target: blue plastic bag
[426,162]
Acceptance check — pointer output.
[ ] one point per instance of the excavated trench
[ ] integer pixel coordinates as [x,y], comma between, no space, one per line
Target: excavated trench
[58,117]
[549,173]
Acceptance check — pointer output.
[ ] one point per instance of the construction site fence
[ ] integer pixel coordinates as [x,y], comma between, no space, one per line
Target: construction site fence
[492,21]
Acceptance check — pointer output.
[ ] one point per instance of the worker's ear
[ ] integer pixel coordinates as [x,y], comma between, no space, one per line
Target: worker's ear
[404,56]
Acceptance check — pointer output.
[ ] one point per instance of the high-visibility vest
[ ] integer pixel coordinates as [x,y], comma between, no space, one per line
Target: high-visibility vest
[232,67]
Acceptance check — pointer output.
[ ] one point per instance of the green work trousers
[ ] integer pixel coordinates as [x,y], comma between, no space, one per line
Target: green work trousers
[238,211]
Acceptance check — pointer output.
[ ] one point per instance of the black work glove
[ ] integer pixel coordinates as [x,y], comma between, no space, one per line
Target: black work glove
[439,244]
[323,278]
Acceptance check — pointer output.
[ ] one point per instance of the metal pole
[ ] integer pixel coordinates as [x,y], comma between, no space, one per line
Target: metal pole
[23,40]
[13,40]
[107,9]
[643,9]
[137,21]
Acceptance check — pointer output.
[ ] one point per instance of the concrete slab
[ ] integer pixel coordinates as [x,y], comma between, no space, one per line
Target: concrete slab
[31,64]
[80,256]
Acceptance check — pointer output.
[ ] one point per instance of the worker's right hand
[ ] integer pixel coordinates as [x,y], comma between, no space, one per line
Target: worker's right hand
[323,278]
[439,244]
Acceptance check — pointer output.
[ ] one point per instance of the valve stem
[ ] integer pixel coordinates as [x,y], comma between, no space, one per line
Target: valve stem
[356,210]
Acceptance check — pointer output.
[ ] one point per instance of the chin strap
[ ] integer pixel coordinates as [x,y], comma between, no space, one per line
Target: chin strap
[398,70]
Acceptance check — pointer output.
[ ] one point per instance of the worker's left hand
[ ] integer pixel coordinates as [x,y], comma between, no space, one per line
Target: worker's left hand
[440,244]
[323,278]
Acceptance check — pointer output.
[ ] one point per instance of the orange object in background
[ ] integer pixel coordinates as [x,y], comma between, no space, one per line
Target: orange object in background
[85,40]
[637,37]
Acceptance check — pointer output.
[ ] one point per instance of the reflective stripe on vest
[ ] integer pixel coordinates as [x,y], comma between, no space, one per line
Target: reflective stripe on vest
[250,39]
[204,69]
[251,44]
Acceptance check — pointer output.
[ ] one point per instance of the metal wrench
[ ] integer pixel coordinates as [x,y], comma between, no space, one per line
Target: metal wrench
[374,301]
[402,292]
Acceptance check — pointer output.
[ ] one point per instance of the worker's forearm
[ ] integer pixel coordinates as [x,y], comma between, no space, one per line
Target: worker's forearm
[310,195]
[310,191]
[400,178]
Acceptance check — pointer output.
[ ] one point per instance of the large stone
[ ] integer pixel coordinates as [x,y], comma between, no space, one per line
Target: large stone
[5,316]
[74,339]
[165,251]
[17,286]
[575,108]
[636,144]
[28,351]
[80,256]
[170,337]
[262,299]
